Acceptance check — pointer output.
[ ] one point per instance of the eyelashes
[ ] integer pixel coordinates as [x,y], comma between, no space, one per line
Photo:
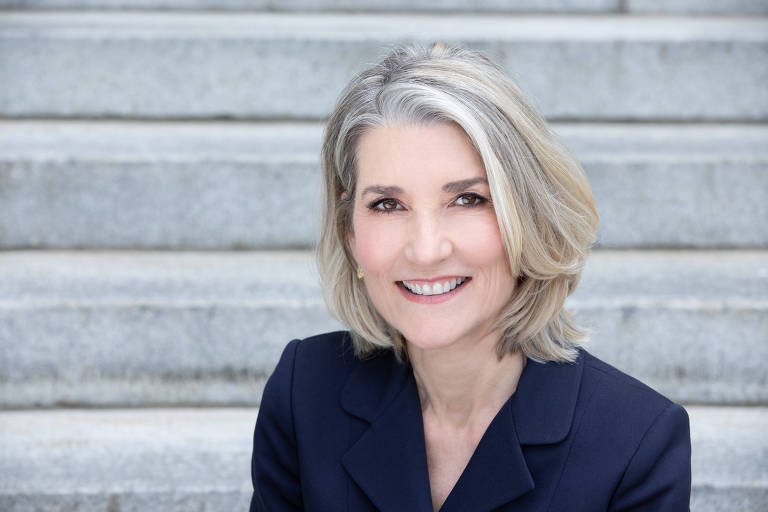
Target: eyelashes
[389,205]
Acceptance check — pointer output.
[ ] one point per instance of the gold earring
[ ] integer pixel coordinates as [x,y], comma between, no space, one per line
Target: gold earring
[360,273]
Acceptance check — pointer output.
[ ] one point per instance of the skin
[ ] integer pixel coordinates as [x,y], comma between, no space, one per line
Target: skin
[422,231]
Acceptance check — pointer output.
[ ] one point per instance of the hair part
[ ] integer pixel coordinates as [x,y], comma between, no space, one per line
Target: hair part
[541,196]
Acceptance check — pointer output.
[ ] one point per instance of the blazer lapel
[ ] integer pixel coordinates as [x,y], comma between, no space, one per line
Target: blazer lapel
[540,412]
[389,461]
[497,472]
[544,403]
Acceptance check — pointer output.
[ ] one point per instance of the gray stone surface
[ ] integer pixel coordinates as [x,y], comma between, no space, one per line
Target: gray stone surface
[72,139]
[676,186]
[165,185]
[721,7]
[112,328]
[138,329]
[680,202]
[101,140]
[728,458]
[198,459]
[126,460]
[257,185]
[199,203]
[690,324]
[718,7]
[205,65]
[558,6]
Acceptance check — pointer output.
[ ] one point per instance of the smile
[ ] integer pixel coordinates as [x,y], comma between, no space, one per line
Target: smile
[436,288]
[432,293]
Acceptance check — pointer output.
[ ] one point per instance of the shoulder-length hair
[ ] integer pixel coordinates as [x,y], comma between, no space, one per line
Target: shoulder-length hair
[541,196]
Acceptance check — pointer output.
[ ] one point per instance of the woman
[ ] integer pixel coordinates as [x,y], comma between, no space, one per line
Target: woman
[454,229]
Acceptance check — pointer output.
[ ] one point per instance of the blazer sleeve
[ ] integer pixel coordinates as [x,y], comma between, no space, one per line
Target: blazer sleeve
[658,476]
[274,464]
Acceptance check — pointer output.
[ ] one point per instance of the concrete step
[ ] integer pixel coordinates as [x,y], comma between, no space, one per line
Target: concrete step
[169,460]
[722,7]
[136,328]
[697,7]
[688,323]
[728,447]
[293,65]
[195,185]
[133,328]
[198,459]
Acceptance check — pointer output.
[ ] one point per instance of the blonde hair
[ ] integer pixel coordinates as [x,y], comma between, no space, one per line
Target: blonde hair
[541,196]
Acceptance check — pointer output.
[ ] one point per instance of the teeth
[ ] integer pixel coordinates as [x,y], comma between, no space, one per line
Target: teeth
[436,288]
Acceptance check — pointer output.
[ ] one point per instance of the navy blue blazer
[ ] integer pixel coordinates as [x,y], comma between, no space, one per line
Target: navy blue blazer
[335,433]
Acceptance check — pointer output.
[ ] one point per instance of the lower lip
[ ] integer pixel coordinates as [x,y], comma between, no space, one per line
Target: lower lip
[431,299]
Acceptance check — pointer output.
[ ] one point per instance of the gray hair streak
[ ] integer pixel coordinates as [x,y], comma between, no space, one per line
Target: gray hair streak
[541,196]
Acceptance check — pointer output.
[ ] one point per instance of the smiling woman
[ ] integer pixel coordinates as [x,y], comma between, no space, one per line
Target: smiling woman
[432,227]
[455,226]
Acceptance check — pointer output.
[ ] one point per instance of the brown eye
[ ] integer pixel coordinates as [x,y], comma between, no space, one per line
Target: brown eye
[469,200]
[385,205]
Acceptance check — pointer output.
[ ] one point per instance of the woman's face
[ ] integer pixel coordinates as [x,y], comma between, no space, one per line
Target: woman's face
[422,219]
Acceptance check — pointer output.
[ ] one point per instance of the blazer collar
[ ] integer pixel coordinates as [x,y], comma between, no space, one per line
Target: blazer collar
[388,462]
[544,402]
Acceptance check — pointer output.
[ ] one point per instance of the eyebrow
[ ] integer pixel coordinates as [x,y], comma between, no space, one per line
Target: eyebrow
[458,186]
[453,186]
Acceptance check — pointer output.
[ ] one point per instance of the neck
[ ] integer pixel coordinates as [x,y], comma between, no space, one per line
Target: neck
[462,382]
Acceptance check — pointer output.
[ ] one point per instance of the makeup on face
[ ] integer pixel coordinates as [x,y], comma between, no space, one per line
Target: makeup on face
[426,235]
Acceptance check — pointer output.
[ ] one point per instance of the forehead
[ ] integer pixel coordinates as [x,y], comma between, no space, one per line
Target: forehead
[440,151]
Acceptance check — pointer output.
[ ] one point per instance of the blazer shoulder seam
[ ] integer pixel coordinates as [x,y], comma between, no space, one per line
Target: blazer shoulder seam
[619,376]
[640,444]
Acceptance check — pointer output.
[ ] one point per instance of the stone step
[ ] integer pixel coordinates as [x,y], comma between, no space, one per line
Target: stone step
[137,328]
[257,185]
[728,447]
[199,459]
[250,65]
[697,7]
[134,328]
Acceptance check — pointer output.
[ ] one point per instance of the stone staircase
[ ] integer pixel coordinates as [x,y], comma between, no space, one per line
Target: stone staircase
[159,190]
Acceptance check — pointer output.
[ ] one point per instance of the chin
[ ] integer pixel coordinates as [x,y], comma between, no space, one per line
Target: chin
[429,341]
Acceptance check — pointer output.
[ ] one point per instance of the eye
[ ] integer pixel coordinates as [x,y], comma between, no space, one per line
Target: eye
[470,200]
[385,205]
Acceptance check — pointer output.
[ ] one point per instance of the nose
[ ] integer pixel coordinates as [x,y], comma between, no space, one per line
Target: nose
[428,241]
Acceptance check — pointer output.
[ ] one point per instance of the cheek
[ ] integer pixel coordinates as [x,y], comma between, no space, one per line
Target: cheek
[480,242]
[375,244]
[485,252]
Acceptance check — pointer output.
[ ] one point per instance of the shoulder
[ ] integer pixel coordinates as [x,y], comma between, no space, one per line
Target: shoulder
[321,376]
[329,347]
[612,389]
[315,369]
[634,440]
[646,419]
[323,353]
[323,356]
[641,437]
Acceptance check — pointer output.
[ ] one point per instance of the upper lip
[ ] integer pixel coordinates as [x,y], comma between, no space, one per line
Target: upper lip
[433,279]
